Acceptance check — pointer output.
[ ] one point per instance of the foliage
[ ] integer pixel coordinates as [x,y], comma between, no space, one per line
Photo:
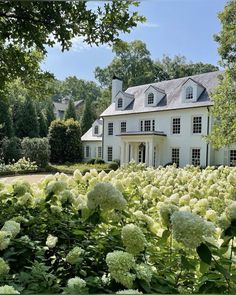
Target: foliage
[42,121]
[88,117]
[70,111]
[22,165]
[113,165]
[5,120]
[64,140]
[37,150]
[49,112]
[10,149]
[75,232]
[71,167]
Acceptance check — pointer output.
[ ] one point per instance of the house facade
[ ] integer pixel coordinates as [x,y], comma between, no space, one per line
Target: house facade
[59,108]
[163,123]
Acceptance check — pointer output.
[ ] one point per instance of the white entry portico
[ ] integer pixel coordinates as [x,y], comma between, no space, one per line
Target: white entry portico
[142,147]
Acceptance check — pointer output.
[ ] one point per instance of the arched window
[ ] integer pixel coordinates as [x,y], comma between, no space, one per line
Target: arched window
[96,129]
[120,103]
[189,92]
[150,98]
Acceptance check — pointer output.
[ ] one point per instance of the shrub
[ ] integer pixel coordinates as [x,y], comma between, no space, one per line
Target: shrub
[36,149]
[113,166]
[65,142]
[22,165]
[117,161]
[92,161]
[10,149]
[99,161]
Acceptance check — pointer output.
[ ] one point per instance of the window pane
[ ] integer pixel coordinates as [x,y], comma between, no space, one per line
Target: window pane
[109,153]
[232,159]
[120,103]
[123,127]
[175,156]
[150,98]
[110,128]
[96,130]
[197,125]
[147,125]
[99,152]
[196,157]
[176,125]
[87,151]
[189,92]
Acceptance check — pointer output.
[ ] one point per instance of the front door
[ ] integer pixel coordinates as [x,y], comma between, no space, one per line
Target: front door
[141,153]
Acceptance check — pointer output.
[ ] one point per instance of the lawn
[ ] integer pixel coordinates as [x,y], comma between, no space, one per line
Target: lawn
[83,167]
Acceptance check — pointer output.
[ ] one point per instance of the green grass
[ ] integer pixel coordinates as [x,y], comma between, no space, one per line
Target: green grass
[70,168]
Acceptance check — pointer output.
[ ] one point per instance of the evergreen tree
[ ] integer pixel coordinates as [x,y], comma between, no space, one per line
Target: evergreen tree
[50,116]
[70,111]
[27,120]
[88,117]
[6,128]
[43,126]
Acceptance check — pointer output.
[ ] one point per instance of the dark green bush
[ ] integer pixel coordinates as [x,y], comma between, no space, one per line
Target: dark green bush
[117,161]
[37,150]
[113,166]
[92,161]
[65,142]
[99,161]
[10,149]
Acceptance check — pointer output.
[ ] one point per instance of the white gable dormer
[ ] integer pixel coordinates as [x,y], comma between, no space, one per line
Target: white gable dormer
[122,100]
[191,90]
[97,128]
[153,96]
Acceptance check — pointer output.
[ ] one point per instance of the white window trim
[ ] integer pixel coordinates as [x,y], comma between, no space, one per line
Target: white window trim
[109,146]
[108,128]
[126,124]
[191,131]
[85,152]
[147,119]
[192,148]
[171,125]
[120,98]
[174,147]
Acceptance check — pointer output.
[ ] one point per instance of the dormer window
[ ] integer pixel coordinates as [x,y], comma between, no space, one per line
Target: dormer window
[120,103]
[189,92]
[96,130]
[150,98]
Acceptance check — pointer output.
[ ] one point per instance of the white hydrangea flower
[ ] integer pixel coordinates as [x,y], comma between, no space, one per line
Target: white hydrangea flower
[55,187]
[231,211]
[144,272]
[166,210]
[211,215]
[51,241]
[4,268]
[56,209]
[106,196]
[5,239]
[119,264]
[190,229]
[76,284]
[11,226]
[8,290]
[74,255]
[129,291]
[133,238]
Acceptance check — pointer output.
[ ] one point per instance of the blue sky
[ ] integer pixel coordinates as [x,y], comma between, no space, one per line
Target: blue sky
[173,27]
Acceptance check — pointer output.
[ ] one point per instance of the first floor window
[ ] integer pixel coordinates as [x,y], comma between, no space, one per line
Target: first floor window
[109,154]
[176,126]
[197,125]
[232,158]
[196,157]
[87,151]
[122,127]
[110,128]
[175,156]
[99,152]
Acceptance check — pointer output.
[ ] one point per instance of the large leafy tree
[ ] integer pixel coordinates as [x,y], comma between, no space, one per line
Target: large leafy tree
[6,129]
[224,109]
[88,117]
[28,27]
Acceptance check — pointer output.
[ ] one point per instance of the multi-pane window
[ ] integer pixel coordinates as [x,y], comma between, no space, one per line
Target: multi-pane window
[110,128]
[175,156]
[109,153]
[120,103]
[87,151]
[147,125]
[189,92]
[96,129]
[197,125]
[176,125]
[232,158]
[99,155]
[150,98]
[122,127]
[196,157]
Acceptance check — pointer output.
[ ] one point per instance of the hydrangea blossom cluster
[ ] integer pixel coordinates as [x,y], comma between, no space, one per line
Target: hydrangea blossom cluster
[74,255]
[129,291]
[231,211]
[8,290]
[76,284]
[190,229]
[133,238]
[5,239]
[166,210]
[105,196]
[51,241]
[55,187]
[4,268]
[21,187]
[12,227]
[119,264]
[144,272]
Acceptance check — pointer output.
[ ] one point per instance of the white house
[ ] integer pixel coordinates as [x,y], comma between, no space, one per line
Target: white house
[162,123]
[59,108]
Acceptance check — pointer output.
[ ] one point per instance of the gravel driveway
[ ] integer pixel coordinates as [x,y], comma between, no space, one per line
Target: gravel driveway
[31,178]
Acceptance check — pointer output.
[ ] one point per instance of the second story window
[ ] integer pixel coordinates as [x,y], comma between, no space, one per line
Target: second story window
[147,125]
[197,125]
[96,130]
[110,128]
[122,127]
[150,98]
[120,103]
[176,126]
[189,92]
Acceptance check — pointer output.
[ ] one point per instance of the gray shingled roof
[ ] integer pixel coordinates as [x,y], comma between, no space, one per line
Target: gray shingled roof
[88,136]
[60,106]
[172,99]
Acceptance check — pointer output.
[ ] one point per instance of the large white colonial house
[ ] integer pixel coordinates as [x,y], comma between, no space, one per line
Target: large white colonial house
[158,123]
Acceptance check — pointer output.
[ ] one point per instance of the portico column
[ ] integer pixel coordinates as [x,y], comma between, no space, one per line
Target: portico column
[122,160]
[151,152]
[147,153]
[127,153]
